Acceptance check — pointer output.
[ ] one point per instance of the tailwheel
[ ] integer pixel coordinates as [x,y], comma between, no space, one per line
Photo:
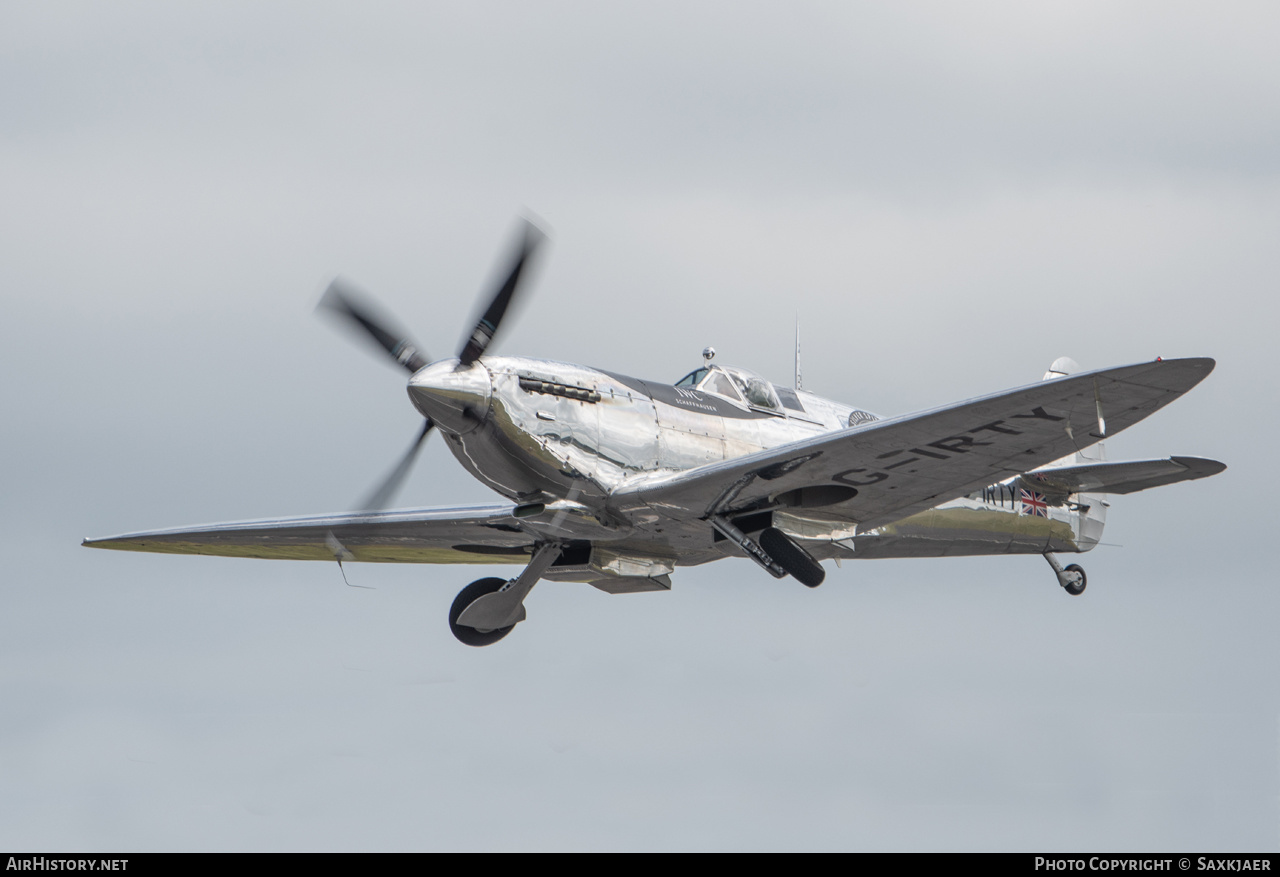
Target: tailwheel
[1074,580]
[1071,576]
[469,635]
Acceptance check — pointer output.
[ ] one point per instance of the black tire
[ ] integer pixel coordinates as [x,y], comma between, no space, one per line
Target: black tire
[792,557]
[468,595]
[1076,590]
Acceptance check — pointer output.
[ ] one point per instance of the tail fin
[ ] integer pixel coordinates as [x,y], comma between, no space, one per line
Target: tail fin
[1092,509]
[1063,366]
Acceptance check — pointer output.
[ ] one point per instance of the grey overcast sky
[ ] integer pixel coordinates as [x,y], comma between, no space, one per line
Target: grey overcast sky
[949,195]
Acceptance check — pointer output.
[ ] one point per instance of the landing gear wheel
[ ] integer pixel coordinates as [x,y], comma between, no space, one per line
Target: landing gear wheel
[1075,589]
[792,557]
[468,595]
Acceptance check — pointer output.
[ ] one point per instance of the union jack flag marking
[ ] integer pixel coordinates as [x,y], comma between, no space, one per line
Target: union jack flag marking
[1034,504]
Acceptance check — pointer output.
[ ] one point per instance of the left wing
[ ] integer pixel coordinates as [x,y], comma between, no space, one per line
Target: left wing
[883,471]
[475,534]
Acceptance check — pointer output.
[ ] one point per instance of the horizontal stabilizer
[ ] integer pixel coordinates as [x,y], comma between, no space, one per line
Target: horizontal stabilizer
[1120,477]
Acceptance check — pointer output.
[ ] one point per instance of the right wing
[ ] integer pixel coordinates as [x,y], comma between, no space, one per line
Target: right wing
[1121,477]
[879,472]
[475,534]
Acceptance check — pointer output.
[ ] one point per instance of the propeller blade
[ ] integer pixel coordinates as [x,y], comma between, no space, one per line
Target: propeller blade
[381,497]
[347,301]
[484,331]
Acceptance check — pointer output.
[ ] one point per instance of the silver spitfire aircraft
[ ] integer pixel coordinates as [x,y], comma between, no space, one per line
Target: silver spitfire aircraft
[616,481]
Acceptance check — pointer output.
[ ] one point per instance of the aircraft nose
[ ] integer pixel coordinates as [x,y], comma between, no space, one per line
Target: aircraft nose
[456,398]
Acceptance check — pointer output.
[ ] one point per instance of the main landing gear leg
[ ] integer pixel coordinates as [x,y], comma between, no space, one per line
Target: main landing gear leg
[1071,577]
[486,610]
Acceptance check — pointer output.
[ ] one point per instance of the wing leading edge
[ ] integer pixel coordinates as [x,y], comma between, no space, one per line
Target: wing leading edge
[886,470]
[475,534]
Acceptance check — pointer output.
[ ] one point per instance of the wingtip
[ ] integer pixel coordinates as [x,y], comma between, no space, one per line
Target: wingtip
[1201,467]
[1180,373]
[104,542]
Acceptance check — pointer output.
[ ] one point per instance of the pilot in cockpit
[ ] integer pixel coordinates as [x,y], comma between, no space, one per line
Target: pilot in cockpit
[735,384]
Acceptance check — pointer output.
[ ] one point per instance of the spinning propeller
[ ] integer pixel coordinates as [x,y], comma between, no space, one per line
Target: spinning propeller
[361,313]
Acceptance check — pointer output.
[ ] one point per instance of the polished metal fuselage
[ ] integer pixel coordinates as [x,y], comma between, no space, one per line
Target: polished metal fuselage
[566,437]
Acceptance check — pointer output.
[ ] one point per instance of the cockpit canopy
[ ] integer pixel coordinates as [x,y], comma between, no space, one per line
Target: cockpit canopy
[735,384]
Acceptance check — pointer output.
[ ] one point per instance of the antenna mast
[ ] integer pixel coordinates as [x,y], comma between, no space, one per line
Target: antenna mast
[799,377]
